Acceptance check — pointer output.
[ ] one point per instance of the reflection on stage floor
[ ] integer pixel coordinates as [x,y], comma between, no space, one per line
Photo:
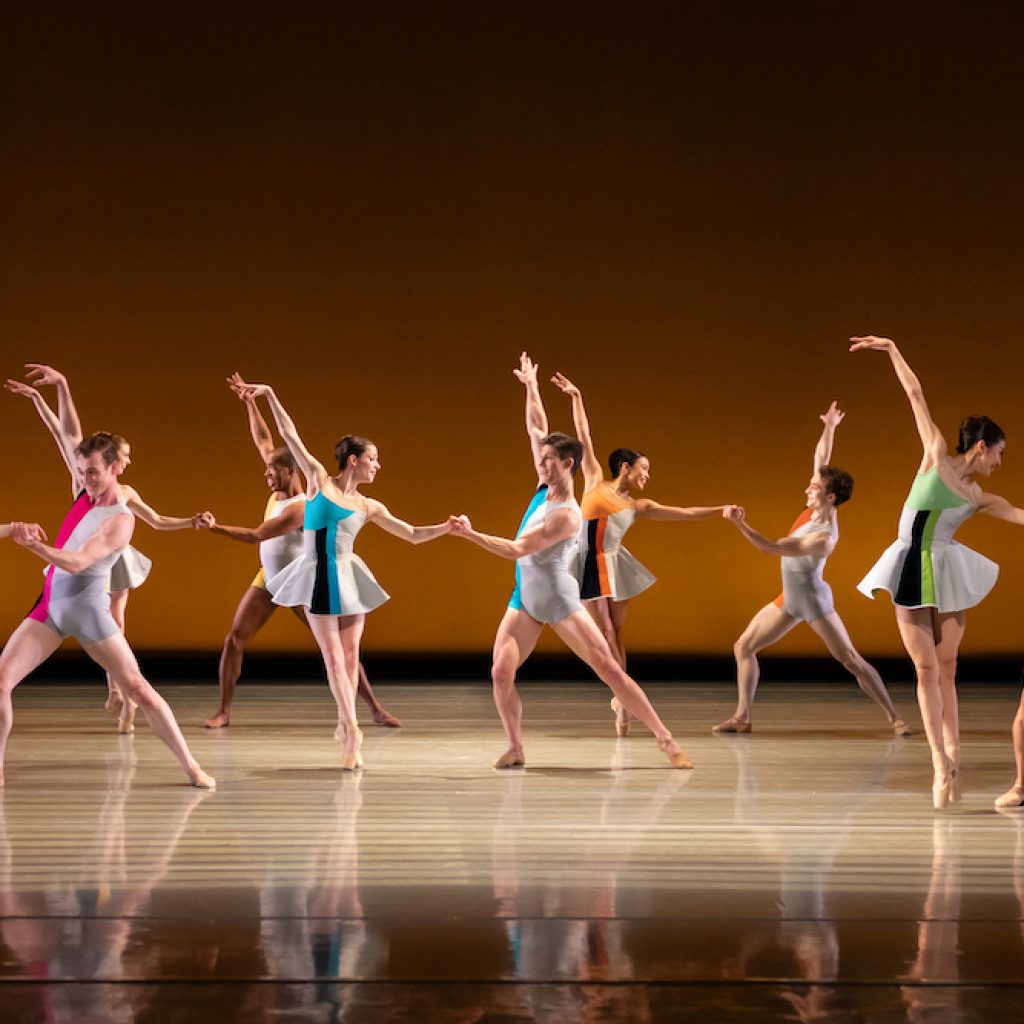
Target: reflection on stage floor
[798,873]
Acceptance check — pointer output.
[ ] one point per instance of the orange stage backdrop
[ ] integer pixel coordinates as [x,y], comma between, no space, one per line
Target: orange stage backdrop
[687,208]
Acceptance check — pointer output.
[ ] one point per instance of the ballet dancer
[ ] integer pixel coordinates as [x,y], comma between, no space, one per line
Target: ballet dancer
[75,603]
[931,578]
[332,584]
[280,542]
[805,597]
[132,568]
[546,592]
[609,575]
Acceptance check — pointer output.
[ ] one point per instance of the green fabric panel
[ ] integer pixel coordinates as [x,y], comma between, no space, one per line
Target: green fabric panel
[927,570]
[928,491]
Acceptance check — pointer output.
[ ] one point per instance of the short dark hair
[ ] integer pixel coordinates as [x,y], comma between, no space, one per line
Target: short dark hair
[623,456]
[350,444]
[565,447]
[104,444]
[837,482]
[975,429]
[282,457]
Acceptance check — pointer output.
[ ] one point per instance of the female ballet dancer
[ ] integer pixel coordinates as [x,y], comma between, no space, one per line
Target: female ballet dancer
[546,592]
[609,574]
[331,583]
[805,597]
[932,579]
[279,537]
[131,569]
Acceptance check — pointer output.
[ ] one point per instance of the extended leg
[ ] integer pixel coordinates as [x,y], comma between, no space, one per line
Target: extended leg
[29,646]
[767,627]
[831,629]
[326,632]
[516,637]
[116,657]
[116,702]
[251,615]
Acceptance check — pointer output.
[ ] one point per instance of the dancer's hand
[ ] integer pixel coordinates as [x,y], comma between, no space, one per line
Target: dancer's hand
[238,385]
[527,372]
[833,416]
[566,385]
[734,513]
[460,526]
[27,534]
[40,373]
[17,387]
[873,342]
[247,391]
[203,521]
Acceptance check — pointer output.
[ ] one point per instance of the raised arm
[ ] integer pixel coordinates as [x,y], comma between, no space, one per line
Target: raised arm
[287,522]
[113,534]
[261,435]
[831,419]
[536,417]
[70,425]
[819,545]
[379,514]
[592,472]
[647,509]
[559,525]
[152,518]
[52,424]
[316,475]
[931,437]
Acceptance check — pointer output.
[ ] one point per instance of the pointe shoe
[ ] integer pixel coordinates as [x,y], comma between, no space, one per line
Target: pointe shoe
[201,780]
[124,727]
[677,758]
[351,758]
[621,718]
[733,725]
[512,758]
[942,783]
[900,728]
[1013,797]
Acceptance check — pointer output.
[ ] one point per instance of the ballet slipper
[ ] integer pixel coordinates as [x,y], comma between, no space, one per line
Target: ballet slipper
[201,780]
[1013,797]
[512,758]
[124,727]
[351,758]
[677,758]
[385,719]
[733,725]
[900,728]
[621,717]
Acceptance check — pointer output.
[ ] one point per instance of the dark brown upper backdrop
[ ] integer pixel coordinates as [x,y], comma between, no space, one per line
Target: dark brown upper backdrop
[686,207]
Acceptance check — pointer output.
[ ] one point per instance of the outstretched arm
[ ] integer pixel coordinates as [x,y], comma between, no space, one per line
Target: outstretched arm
[309,466]
[34,530]
[378,513]
[931,437]
[70,425]
[647,509]
[113,534]
[819,545]
[832,417]
[152,518]
[559,525]
[261,435]
[52,424]
[287,522]
[592,472]
[1000,508]
[536,417]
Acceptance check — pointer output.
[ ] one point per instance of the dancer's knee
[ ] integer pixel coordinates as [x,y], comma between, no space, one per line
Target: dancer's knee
[234,642]
[947,668]
[503,677]
[137,689]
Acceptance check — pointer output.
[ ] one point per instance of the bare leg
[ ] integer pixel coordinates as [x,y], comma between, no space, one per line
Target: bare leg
[584,639]
[1014,796]
[116,701]
[116,657]
[949,631]
[252,614]
[917,630]
[28,647]
[600,611]
[767,627]
[379,713]
[350,631]
[516,637]
[831,629]
[326,632]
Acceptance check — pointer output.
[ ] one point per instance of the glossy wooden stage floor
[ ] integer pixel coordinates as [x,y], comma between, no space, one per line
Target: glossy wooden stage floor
[797,874]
